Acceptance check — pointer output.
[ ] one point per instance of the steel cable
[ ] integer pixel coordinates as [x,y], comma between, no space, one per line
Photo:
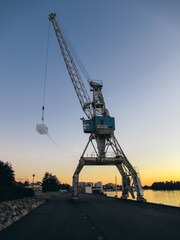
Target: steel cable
[45,79]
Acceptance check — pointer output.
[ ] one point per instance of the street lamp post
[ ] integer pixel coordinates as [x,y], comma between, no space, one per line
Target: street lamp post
[33,180]
[116,185]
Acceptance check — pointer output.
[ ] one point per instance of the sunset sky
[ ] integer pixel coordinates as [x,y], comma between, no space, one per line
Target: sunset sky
[133,46]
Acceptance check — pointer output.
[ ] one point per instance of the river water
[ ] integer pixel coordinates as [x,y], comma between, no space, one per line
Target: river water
[171,198]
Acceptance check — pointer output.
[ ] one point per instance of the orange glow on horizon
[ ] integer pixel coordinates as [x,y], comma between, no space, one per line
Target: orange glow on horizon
[105,175]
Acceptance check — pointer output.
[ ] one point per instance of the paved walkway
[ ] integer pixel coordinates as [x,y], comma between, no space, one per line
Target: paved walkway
[92,217]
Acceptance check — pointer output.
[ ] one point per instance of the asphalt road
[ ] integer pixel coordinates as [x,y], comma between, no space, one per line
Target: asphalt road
[94,217]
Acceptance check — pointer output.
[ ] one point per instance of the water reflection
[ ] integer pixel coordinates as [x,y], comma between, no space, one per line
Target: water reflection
[164,197]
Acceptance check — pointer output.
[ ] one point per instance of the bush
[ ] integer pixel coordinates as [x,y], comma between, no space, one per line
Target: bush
[15,191]
[64,186]
[21,191]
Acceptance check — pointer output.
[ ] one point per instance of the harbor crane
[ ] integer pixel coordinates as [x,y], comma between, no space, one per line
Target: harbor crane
[100,125]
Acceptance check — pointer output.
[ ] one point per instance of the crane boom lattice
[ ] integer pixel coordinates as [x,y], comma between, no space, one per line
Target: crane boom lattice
[78,84]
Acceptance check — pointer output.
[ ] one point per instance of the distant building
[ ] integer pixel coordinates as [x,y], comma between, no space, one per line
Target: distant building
[88,190]
[84,185]
[98,185]
[36,186]
[97,188]
[89,187]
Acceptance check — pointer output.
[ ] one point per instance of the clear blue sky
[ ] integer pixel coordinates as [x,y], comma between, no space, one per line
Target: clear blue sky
[132,45]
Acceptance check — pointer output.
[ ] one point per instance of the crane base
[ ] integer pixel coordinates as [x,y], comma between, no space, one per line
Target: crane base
[130,180]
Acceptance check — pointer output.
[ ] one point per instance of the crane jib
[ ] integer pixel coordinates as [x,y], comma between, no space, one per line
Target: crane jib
[78,84]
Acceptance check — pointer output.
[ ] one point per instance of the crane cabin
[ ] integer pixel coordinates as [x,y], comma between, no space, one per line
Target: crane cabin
[99,124]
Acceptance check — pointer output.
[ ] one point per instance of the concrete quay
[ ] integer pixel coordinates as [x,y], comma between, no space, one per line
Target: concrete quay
[12,211]
[96,217]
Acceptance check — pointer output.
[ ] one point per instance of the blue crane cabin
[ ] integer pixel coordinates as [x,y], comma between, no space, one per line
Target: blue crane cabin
[101,124]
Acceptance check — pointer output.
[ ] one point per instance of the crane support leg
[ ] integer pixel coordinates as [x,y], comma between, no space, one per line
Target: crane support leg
[76,179]
[78,170]
[130,181]
[125,182]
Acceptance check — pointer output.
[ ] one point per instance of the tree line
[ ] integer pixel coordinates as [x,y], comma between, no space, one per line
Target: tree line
[10,189]
[172,185]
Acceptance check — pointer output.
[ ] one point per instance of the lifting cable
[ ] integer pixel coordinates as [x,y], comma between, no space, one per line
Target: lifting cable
[74,53]
[60,148]
[45,78]
[84,71]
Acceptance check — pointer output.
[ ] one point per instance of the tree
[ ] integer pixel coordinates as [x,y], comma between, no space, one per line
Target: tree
[26,183]
[50,183]
[6,174]
[9,189]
